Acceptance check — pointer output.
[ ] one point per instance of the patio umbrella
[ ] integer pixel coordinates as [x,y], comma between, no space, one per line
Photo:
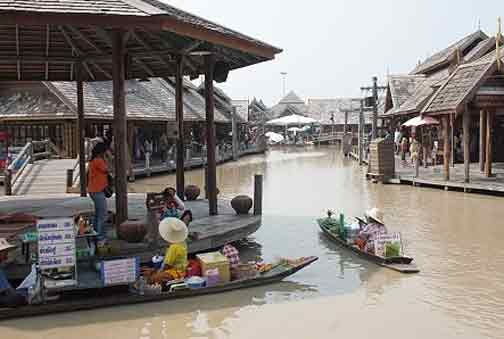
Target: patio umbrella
[293,119]
[294,129]
[274,137]
[421,121]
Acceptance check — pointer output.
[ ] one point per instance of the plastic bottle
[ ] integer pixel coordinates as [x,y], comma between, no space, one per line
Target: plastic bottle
[82,226]
[141,285]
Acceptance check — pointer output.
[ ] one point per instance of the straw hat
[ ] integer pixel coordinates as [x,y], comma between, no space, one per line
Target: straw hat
[376,214]
[4,245]
[173,230]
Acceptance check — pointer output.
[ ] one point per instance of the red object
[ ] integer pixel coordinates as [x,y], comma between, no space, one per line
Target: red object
[193,269]
[4,150]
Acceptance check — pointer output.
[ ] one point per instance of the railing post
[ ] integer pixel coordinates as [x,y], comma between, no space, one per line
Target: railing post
[69,179]
[8,181]
[30,153]
[258,194]
[47,149]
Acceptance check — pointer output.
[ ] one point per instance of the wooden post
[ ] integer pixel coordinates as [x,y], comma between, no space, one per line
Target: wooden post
[179,108]
[482,141]
[80,132]
[131,151]
[446,147]
[417,167]
[467,156]
[345,128]
[489,154]
[210,124]
[69,179]
[234,129]
[374,131]
[361,133]
[258,194]
[8,182]
[120,127]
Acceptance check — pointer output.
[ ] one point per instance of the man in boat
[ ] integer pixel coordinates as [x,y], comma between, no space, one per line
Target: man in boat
[374,227]
[8,295]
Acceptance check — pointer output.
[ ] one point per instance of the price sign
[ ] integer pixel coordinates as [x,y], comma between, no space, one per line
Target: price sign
[120,272]
[56,243]
[383,239]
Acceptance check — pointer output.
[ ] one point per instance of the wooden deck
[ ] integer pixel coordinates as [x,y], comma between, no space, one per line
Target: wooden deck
[212,231]
[432,176]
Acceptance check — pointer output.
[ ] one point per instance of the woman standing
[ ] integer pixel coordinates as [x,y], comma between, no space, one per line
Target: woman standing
[97,183]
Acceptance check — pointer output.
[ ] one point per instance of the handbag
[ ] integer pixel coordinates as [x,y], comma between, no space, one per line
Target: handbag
[109,190]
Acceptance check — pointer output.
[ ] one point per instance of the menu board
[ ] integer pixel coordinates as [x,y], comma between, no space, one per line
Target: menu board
[120,272]
[383,239]
[56,243]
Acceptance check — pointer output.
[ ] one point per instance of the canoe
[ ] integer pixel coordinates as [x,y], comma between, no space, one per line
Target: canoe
[93,300]
[399,264]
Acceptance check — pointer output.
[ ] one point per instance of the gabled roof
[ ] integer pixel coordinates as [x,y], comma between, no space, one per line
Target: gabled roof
[402,87]
[291,98]
[482,49]
[460,87]
[444,57]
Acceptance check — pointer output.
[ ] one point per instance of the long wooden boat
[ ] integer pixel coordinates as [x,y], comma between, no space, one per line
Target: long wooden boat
[399,264]
[98,300]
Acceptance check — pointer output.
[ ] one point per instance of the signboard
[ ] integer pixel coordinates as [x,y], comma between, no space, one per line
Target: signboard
[172,131]
[56,243]
[383,239]
[120,272]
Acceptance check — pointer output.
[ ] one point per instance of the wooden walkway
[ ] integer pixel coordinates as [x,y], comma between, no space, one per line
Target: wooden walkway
[432,176]
[212,231]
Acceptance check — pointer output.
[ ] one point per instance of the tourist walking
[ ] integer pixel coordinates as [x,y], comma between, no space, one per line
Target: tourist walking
[397,140]
[414,149]
[97,186]
[163,147]
[404,150]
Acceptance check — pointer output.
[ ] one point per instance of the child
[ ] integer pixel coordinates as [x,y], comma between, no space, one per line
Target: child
[174,206]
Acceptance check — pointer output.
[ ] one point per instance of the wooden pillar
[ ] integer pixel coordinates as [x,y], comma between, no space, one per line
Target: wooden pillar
[258,194]
[120,126]
[210,127]
[482,141]
[179,108]
[234,129]
[80,132]
[446,147]
[345,128]
[131,155]
[361,133]
[489,154]
[467,137]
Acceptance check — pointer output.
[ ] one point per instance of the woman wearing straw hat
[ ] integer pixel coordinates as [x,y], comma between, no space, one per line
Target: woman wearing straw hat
[175,232]
[8,295]
[375,226]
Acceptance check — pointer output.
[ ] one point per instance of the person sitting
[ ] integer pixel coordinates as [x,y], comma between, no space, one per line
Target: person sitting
[187,217]
[374,227]
[230,252]
[8,295]
[174,205]
[174,267]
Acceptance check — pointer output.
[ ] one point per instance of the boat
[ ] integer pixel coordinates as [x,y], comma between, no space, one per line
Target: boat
[401,264]
[105,298]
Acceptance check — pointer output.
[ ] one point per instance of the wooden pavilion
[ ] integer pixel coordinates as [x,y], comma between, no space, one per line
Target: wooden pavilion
[117,40]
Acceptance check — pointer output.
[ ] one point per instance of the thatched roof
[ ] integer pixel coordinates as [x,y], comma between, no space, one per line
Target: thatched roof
[444,57]
[45,39]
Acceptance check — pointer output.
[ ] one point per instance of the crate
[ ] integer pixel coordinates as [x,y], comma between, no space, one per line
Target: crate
[244,271]
[382,159]
[215,260]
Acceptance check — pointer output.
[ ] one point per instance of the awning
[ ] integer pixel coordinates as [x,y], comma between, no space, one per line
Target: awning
[293,119]
[421,121]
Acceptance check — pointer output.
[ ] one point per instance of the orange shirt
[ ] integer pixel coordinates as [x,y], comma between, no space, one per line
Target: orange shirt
[97,178]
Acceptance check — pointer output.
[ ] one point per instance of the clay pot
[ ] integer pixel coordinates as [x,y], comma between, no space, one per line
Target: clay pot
[132,231]
[242,204]
[192,192]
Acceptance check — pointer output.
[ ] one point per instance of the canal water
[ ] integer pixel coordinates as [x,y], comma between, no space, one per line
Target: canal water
[455,238]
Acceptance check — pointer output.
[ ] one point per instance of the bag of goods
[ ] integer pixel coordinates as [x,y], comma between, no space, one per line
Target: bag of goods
[193,269]
[352,232]
[392,250]
[212,277]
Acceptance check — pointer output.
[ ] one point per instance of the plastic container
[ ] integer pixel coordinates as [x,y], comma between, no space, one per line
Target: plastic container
[195,282]
[212,277]
[215,260]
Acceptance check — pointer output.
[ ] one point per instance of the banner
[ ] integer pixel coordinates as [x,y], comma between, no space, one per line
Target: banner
[120,272]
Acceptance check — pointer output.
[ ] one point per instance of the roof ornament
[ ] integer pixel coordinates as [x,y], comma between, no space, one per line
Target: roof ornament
[497,44]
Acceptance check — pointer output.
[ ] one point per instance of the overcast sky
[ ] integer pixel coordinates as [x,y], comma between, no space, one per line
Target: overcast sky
[333,47]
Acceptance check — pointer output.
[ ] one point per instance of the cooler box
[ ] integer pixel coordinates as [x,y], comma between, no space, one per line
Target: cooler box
[215,260]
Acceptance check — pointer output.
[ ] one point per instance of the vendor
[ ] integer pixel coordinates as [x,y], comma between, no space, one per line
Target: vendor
[175,232]
[8,295]
[174,205]
[374,227]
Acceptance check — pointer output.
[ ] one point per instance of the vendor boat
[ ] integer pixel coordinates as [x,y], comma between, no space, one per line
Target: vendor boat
[400,264]
[93,299]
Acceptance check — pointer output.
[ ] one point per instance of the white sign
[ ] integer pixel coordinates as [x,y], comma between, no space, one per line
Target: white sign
[56,243]
[120,272]
[383,239]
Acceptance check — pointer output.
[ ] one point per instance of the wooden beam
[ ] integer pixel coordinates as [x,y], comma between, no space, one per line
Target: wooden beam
[489,151]
[48,33]
[191,47]
[446,147]
[18,62]
[467,137]
[81,127]
[168,46]
[482,141]
[120,127]
[211,143]
[179,108]
[84,38]
[143,66]
[76,49]
[151,51]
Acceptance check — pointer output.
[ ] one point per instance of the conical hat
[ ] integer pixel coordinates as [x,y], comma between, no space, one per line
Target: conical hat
[173,230]
[4,245]
[376,214]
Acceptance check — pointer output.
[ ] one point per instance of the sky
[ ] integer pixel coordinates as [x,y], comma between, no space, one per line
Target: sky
[333,47]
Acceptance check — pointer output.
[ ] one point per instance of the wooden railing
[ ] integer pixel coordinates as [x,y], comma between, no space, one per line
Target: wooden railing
[31,152]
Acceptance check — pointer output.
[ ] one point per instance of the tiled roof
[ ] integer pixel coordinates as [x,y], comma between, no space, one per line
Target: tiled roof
[482,49]
[448,53]
[458,87]
[402,87]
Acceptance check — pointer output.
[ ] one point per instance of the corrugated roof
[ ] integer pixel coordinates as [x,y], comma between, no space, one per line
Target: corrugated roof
[447,54]
[458,87]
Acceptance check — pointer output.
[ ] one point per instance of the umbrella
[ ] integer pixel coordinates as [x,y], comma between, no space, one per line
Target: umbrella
[293,119]
[420,121]
[294,129]
[274,137]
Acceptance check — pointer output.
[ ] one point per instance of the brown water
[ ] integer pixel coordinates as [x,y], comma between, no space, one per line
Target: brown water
[455,239]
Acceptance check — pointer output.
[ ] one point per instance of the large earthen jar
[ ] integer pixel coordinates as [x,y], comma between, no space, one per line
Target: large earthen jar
[132,231]
[242,204]
[192,192]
